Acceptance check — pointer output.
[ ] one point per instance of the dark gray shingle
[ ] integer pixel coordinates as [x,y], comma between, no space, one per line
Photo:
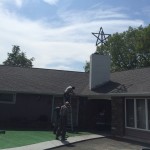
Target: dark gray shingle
[48,81]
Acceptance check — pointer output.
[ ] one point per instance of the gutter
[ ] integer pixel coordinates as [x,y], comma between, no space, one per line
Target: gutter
[94,96]
[23,92]
[110,95]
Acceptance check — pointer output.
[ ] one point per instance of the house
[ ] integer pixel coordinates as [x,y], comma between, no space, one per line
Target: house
[119,102]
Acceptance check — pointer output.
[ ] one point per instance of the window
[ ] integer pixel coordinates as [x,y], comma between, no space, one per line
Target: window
[138,113]
[7,98]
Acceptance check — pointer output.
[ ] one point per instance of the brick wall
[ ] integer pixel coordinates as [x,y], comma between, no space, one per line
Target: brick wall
[118,125]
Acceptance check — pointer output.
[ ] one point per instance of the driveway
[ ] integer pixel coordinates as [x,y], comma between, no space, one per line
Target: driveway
[106,144]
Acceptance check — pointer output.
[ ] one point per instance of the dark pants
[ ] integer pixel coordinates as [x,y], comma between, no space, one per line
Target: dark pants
[67,97]
[62,127]
[56,124]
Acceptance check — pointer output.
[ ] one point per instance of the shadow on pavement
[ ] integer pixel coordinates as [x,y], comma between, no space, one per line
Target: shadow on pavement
[66,143]
[130,141]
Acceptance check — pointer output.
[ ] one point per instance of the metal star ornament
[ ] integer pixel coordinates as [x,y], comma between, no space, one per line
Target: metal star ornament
[101,37]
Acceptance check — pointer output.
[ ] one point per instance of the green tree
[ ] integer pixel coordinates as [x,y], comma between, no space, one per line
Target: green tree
[17,58]
[87,67]
[127,50]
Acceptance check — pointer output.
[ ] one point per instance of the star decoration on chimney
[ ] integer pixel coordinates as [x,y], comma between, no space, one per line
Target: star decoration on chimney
[101,37]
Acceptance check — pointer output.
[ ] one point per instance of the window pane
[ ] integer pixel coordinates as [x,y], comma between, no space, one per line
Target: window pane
[130,112]
[148,113]
[6,97]
[141,118]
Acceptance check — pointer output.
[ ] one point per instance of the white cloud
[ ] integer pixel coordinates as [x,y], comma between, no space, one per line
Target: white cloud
[51,2]
[19,2]
[92,15]
[59,46]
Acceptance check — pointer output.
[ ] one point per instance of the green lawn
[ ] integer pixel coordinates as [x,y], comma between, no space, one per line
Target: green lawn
[20,138]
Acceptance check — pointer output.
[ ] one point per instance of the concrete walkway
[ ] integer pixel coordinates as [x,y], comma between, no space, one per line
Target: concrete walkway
[56,143]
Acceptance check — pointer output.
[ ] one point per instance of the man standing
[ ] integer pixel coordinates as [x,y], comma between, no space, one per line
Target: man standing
[56,118]
[68,92]
[63,121]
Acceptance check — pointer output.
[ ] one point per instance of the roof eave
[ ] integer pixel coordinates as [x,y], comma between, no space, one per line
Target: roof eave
[129,94]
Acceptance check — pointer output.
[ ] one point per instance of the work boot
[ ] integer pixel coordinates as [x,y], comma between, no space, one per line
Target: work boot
[63,139]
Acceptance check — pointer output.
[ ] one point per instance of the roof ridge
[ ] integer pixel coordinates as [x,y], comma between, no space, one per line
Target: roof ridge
[131,69]
[41,68]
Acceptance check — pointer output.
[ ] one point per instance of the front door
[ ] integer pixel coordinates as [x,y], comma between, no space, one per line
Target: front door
[99,114]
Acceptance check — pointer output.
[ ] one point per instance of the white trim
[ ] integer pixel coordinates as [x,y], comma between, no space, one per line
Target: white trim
[137,129]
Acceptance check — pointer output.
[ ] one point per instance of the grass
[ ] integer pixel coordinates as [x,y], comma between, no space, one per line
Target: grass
[20,138]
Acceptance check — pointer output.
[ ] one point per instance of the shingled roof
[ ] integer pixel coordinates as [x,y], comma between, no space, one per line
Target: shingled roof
[43,81]
[131,82]
[49,81]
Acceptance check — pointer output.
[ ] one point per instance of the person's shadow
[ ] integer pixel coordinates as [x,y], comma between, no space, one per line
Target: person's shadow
[65,142]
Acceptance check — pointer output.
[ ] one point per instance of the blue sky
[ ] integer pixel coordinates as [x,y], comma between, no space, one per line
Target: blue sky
[57,33]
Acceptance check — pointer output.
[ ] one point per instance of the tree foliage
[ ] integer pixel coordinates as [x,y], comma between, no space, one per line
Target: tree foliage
[127,50]
[18,58]
[87,67]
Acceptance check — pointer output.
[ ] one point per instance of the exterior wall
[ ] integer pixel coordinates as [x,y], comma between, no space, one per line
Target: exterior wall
[34,106]
[143,135]
[34,111]
[28,111]
[118,123]
[56,101]
[75,111]
[82,117]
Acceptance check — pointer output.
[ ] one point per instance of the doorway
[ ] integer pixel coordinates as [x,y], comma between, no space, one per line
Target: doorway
[99,114]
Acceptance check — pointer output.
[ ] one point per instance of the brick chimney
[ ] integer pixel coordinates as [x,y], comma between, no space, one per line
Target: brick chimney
[99,70]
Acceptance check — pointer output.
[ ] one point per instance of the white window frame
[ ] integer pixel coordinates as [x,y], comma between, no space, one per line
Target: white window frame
[135,114]
[9,102]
